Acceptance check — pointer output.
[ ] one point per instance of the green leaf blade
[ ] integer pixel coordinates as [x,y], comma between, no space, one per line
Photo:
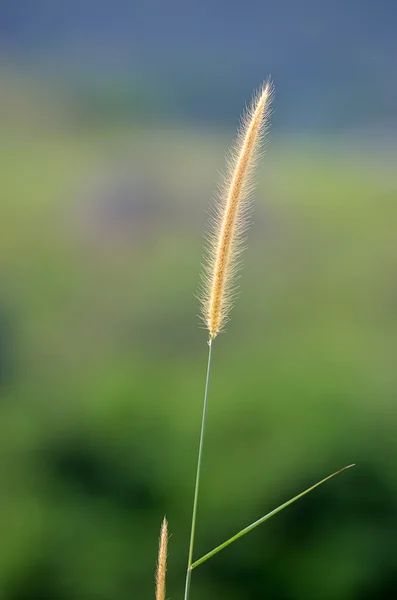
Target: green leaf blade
[263,519]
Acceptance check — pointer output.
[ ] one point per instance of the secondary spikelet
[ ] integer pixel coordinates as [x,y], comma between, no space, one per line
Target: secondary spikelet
[162,561]
[230,220]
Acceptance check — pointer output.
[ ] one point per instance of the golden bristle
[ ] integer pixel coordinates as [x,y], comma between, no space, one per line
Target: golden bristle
[230,220]
[162,561]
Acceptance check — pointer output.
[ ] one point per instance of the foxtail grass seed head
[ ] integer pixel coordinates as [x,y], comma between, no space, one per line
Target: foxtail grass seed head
[162,562]
[230,221]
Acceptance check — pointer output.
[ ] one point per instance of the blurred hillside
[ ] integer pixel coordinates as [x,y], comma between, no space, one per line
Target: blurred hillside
[333,62]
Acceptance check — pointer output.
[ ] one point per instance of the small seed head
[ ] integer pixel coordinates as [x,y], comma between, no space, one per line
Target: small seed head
[230,222]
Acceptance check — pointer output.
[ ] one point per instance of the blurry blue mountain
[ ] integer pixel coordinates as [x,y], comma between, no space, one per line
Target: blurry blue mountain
[333,62]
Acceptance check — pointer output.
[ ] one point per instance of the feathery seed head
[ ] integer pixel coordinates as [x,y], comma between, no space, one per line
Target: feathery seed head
[162,561]
[230,221]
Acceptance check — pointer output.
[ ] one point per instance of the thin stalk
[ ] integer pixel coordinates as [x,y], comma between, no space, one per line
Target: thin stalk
[198,473]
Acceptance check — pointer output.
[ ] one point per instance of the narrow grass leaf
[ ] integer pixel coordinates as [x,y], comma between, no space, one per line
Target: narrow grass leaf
[263,519]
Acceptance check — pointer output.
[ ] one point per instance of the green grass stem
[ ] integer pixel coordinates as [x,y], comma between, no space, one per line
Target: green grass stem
[198,473]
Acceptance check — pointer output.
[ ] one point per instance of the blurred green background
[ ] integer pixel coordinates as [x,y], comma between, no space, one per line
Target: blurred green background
[105,179]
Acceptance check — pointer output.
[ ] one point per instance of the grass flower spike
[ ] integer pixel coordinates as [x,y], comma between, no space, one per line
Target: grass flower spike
[162,562]
[230,222]
[227,233]
[225,247]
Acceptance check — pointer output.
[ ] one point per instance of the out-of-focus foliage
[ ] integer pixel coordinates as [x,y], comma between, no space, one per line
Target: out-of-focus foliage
[102,366]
